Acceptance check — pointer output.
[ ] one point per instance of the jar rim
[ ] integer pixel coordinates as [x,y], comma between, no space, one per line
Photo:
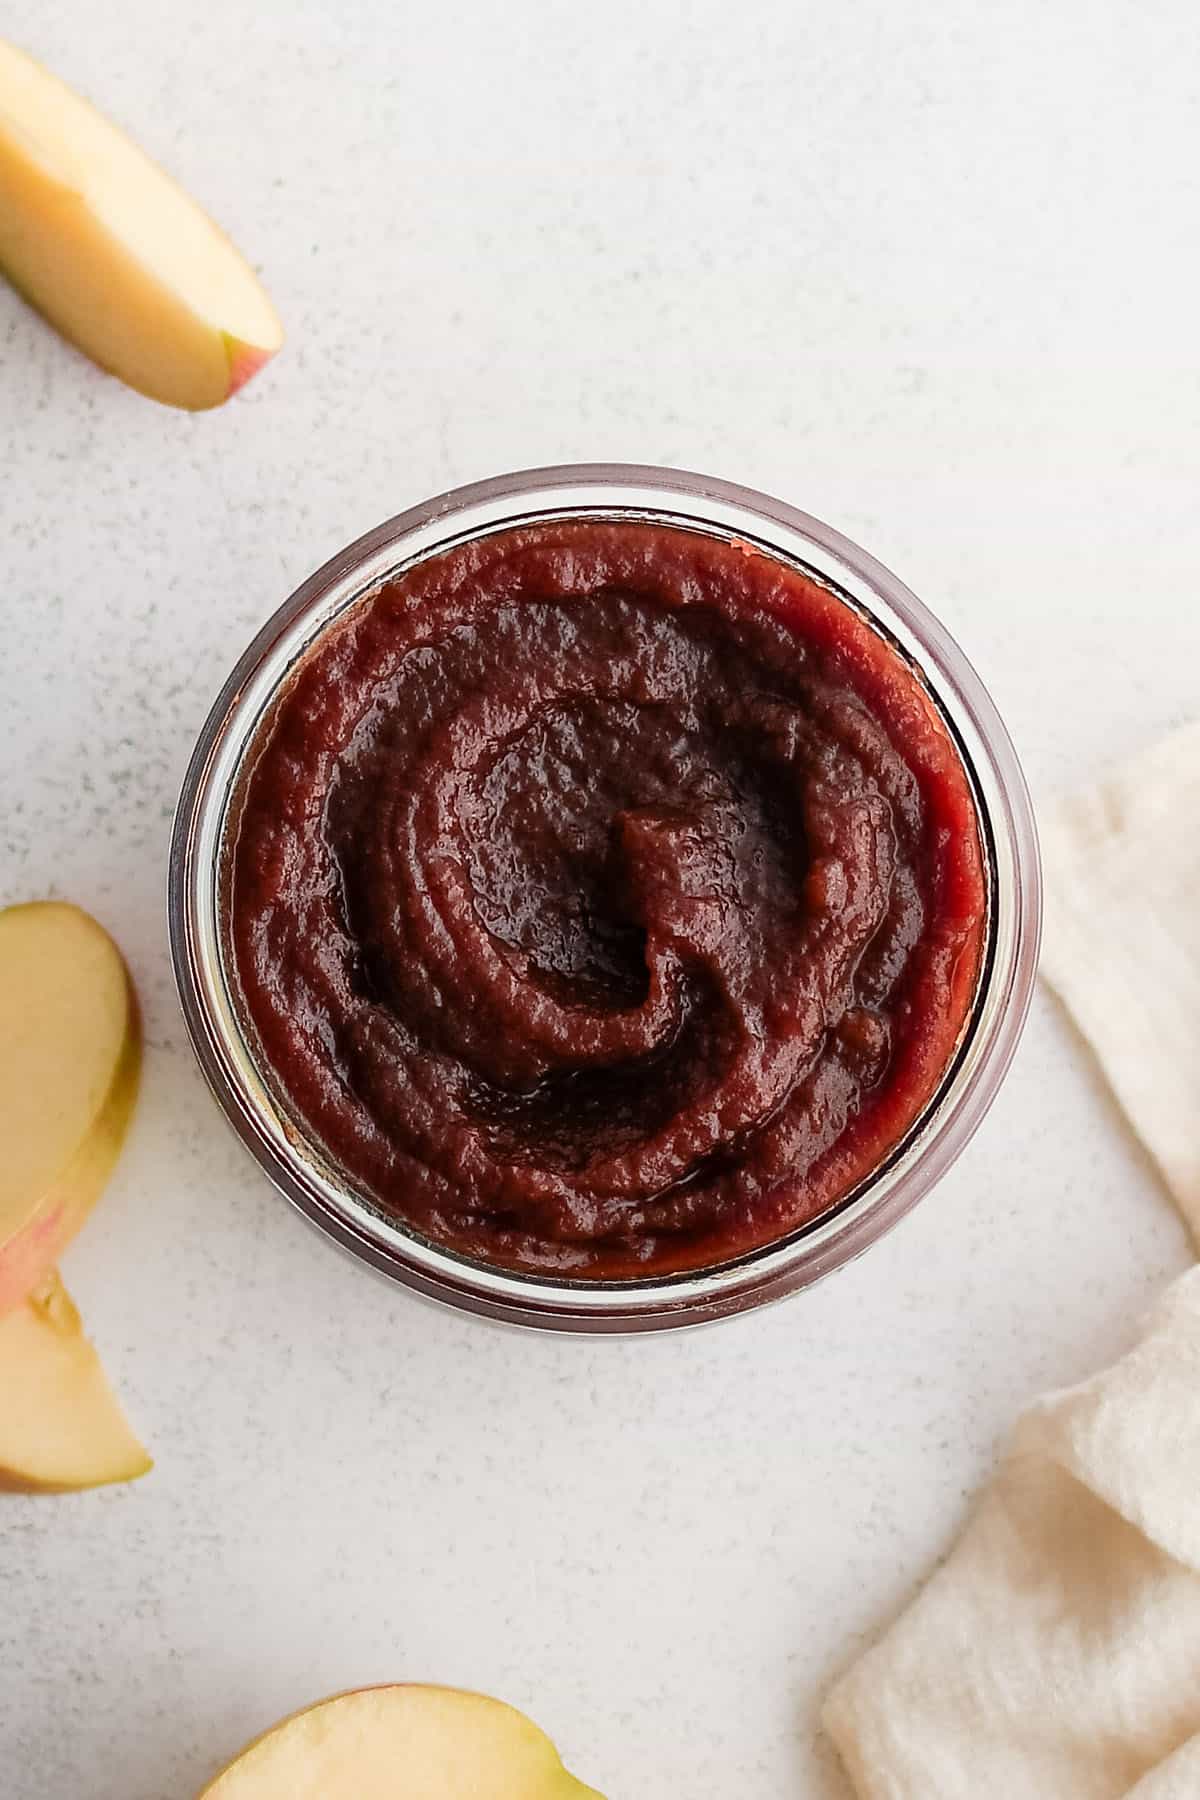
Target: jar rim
[297,1167]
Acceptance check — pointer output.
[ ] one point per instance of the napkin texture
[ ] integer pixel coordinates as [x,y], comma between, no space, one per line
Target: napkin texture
[1056,1653]
[1122,945]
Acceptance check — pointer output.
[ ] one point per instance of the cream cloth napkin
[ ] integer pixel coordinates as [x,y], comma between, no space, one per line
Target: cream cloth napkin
[1056,1653]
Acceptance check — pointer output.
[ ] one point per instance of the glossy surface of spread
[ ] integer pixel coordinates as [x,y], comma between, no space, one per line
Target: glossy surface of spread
[605,898]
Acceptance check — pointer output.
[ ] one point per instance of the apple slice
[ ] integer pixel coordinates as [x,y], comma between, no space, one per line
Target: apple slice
[70,1056]
[60,1424]
[115,255]
[401,1743]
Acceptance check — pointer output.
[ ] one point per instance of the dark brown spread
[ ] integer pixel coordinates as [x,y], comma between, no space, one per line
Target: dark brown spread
[606,899]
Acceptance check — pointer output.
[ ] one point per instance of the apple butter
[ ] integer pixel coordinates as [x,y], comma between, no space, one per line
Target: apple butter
[605,898]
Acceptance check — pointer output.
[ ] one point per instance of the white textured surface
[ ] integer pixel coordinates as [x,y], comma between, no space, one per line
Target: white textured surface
[929,272]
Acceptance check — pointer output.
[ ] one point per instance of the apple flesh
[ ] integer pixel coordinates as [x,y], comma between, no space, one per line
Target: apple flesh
[70,1058]
[60,1424]
[113,254]
[401,1743]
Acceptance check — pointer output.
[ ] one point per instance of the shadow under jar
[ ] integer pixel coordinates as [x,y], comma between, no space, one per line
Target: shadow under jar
[604,898]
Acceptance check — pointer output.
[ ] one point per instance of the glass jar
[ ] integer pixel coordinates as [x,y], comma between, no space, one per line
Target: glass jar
[198,895]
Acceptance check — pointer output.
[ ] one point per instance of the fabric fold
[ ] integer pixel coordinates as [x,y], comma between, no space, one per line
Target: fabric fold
[1122,944]
[1056,1653]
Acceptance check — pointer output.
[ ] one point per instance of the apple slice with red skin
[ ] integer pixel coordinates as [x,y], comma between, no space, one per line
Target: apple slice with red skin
[116,256]
[70,1060]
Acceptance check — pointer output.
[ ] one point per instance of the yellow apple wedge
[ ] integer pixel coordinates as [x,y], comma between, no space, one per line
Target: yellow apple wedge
[401,1743]
[60,1424]
[117,257]
[70,1057]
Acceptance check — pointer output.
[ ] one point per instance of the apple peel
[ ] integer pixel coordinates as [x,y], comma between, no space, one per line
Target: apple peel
[70,1063]
[117,257]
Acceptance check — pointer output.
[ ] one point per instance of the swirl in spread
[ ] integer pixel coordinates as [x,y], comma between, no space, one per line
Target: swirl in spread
[606,899]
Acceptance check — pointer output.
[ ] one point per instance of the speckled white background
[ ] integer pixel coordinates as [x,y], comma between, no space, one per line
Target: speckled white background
[929,271]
